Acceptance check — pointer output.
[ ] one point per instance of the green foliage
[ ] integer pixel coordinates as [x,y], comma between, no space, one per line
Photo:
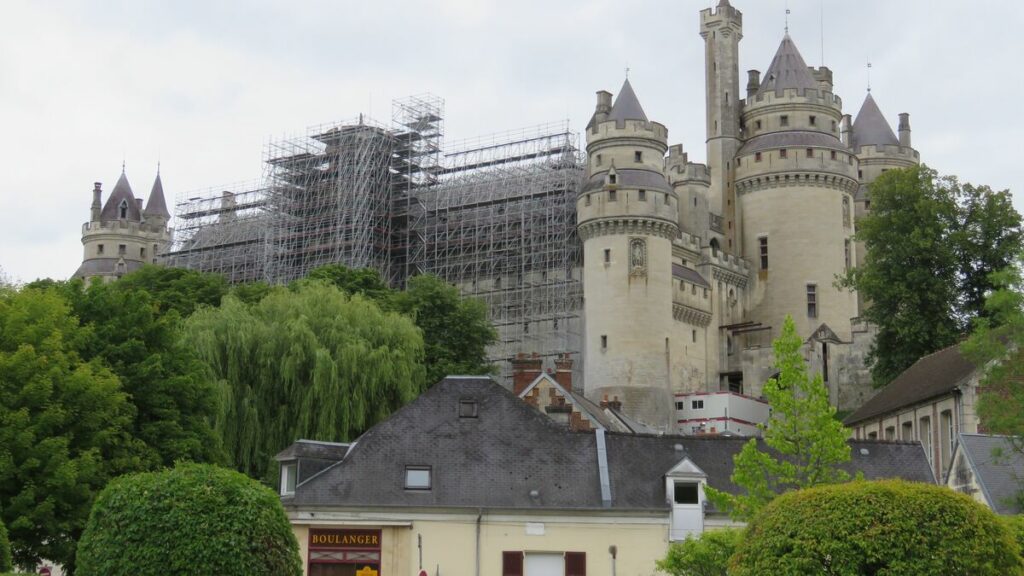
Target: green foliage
[311,362]
[705,555]
[1015,524]
[138,334]
[456,330]
[808,444]
[890,528]
[5,549]
[64,426]
[363,281]
[931,244]
[193,519]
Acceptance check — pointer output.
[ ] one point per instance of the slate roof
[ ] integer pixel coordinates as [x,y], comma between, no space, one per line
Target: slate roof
[314,449]
[998,469]
[629,178]
[105,267]
[627,106]
[689,274]
[934,375]
[510,449]
[156,205]
[791,139]
[122,191]
[787,70]
[871,128]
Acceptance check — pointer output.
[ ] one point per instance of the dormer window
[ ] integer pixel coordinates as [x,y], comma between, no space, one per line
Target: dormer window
[417,478]
[467,409]
[611,178]
[122,209]
[289,477]
[686,493]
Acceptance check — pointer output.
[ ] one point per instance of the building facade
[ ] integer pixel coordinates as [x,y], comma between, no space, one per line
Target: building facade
[123,234]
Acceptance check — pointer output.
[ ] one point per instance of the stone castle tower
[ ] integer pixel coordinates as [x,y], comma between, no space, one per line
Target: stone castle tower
[123,234]
[691,269]
[628,216]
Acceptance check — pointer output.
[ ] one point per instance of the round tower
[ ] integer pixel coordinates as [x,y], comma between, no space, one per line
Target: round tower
[627,217]
[795,183]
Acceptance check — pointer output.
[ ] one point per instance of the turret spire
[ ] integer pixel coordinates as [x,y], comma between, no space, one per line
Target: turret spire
[156,206]
[788,70]
[627,106]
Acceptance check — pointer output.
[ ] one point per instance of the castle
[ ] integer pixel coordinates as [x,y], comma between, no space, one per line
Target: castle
[690,269]
[123,234]
[662,278]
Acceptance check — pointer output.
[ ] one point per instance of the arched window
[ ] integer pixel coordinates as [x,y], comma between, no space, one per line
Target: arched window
[123,209]
[714,246]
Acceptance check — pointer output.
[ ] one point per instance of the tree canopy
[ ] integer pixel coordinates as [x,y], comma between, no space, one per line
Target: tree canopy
[64,426]
[807,442]
[932,244]
[193,519]
[307,362]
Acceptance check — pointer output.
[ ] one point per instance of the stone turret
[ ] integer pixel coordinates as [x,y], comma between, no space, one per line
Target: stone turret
[627,216]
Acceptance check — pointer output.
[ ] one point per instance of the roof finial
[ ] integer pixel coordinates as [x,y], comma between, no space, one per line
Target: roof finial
[627,70]
[158,168]
[122,163]
[787,16]
[869,75]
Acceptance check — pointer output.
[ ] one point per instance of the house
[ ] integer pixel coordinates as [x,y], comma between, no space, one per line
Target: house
[931,402]
[990,469]
[470,479]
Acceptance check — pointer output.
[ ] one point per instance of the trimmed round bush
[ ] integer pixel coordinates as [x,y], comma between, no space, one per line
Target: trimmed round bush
[5,550]
[193,519]
[887,528]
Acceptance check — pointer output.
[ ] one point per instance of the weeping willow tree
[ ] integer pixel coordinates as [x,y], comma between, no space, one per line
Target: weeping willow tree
[310,362]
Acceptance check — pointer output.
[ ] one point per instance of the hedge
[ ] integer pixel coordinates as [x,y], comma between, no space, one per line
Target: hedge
[193,519]
[887,528]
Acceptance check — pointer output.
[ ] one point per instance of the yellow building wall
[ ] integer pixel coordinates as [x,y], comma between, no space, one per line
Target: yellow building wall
[449,544]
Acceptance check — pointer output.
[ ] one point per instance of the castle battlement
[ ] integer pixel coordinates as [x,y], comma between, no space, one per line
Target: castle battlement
[710,17]
[872,151]
[612,129]
[792,96]
[679,168]
[124,226]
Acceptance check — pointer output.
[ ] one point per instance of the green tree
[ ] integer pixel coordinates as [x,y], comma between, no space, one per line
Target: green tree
[194,519]
[705,555]
[877,528]
[311,362]
[64,426]
[363,281]
[456,330]
[807,443]
[177,289]
[139,336]
[988,237]
[5,550]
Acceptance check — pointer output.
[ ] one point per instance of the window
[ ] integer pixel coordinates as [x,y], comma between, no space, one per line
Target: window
[122,249]
[607,255]
[813,120]
[762,243]
[604,341]
[846,255]
[812,301]
[833,125]
[142,252]
[907,432]
[638,156]
[696,404]
[586,200]
[122,209]
[289,475]
[890,433]
[758,124]
[597,159]
[686,493]
[99,249]
[783,120]
[612,196]
[783,153]
[467,409]
[611,178]
[757,157]
[694,335]
[872,435]
[642,195]
[693,289]
[924,434]
[846,211]
[417,477]
[832,155]
[945,438]
[679,405]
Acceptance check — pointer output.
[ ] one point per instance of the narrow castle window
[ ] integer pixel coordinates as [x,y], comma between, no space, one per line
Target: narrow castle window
[813,120]
[833,155]
[604,342]
[586,200]
[727,98]
[783,153]
[784,120]
[99,249]
[123,209]
[638,156]
[597,160]
[612,196]
[846,248]
[757,157]
[812,300]
[762,243]
[643,195]
[833,125]
[757,124]
[694,335]
[122,249]
[607,255]
[810,152]
[142,252]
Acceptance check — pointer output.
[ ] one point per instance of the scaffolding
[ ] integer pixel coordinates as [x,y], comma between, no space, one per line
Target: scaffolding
[501,225]
[222,230]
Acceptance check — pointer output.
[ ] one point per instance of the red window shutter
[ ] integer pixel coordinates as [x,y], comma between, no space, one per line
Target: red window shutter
[575,564]
[511,564]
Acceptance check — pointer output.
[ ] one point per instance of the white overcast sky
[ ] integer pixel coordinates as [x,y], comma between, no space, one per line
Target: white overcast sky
[202,85]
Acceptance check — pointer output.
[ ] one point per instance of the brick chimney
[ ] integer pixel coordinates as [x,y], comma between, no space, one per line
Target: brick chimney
[614,404]
[563,371]
[525,369]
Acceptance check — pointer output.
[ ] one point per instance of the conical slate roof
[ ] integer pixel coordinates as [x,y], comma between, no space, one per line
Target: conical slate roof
[156,205]
[787,70]
[122,192]
[870,128]
[626,106]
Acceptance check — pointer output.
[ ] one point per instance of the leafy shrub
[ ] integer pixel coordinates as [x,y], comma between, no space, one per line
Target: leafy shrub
[193,519]
[706,555]
[890,528]
[1016,526]
[5,550]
